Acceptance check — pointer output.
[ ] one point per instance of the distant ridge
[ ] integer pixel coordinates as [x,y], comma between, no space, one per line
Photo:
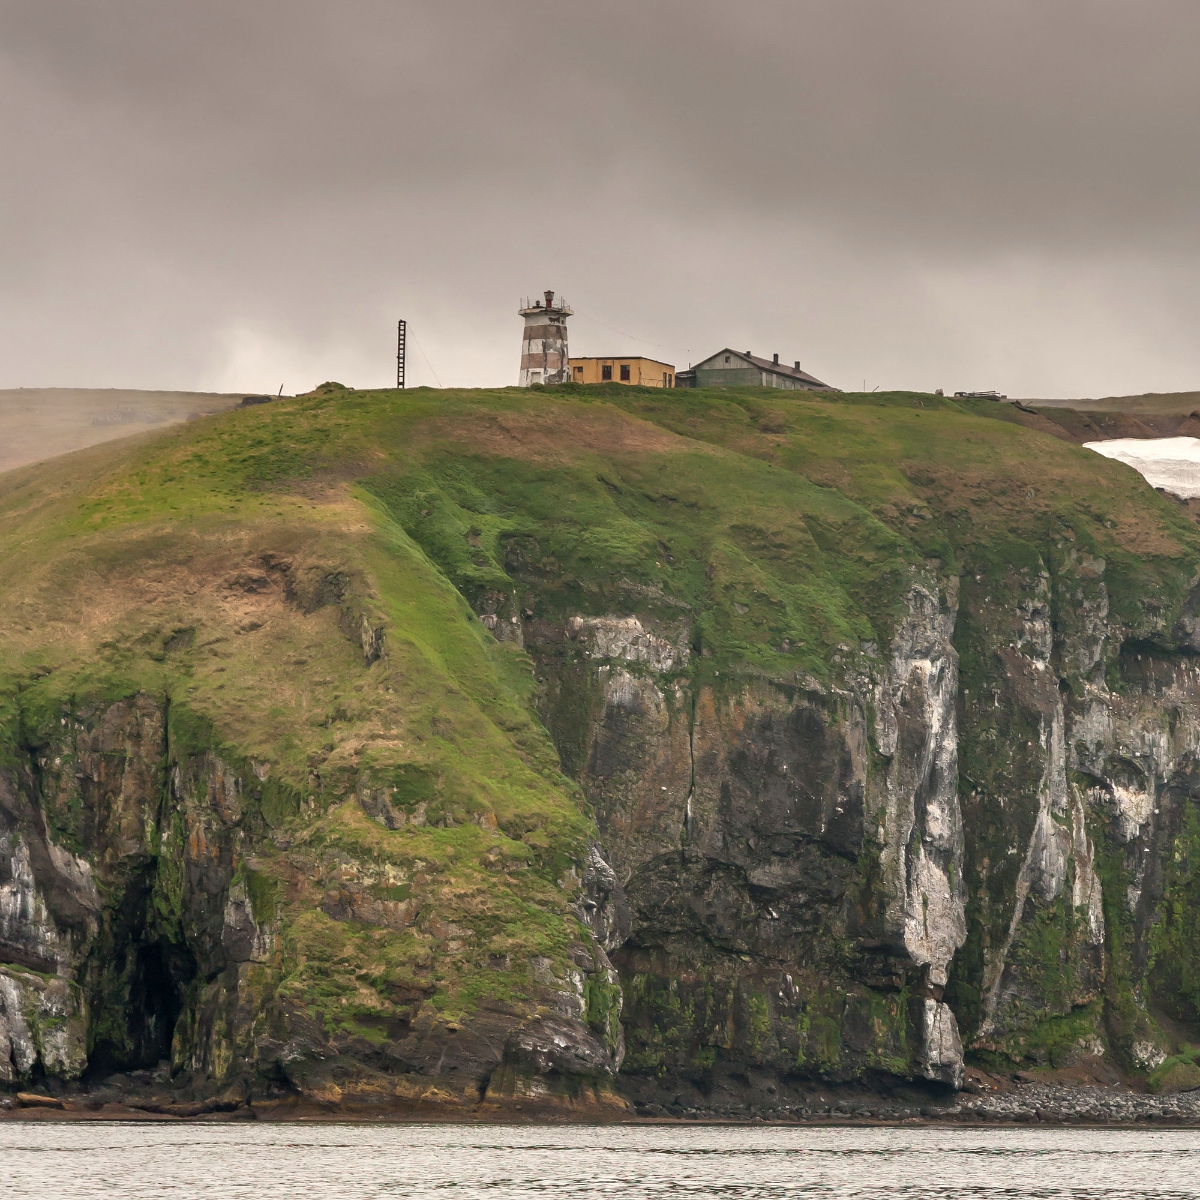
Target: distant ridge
[1152,415]
[1148,403]
[41,423]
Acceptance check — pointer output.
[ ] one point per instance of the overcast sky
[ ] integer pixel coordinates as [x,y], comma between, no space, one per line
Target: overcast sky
[243,194]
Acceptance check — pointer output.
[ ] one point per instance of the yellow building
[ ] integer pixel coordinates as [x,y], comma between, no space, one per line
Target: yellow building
[648,372]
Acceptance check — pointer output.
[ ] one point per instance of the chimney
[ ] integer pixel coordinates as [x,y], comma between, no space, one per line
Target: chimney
[797,364]
[549,299]
[777,360]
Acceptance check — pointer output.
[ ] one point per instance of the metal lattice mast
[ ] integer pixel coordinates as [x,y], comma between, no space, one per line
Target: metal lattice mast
[401,338]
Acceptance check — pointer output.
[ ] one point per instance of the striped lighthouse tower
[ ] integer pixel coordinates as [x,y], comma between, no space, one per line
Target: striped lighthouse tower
[544,345]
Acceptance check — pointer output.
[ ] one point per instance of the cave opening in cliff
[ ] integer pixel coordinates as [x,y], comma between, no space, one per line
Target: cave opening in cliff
[136,1023]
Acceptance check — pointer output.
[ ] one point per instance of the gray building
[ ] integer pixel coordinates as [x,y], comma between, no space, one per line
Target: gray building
[736,368]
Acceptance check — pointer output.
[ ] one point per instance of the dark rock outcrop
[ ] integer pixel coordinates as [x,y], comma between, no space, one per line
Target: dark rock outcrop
[791,854]
[151,941]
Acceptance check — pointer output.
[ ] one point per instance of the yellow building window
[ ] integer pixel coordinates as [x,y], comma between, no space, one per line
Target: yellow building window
[606,372]
[624,372]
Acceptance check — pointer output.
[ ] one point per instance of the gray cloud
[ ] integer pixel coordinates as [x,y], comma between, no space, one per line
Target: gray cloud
[235,195]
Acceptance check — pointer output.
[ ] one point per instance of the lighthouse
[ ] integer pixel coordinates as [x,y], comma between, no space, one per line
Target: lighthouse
[544,344]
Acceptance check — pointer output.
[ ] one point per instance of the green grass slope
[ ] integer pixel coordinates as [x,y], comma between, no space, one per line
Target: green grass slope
[231,566]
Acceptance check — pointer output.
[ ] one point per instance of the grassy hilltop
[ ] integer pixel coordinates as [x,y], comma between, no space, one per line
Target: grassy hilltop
[301,582]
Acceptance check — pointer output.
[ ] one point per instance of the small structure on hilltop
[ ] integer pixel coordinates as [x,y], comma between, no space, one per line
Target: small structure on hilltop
[544,356]
[734,368]
[648,372]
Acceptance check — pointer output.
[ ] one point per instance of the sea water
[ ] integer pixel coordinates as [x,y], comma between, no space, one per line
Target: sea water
[329,1162]
[1172,464]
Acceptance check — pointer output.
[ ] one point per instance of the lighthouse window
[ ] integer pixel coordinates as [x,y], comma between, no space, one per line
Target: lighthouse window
[606,371]
[624,372]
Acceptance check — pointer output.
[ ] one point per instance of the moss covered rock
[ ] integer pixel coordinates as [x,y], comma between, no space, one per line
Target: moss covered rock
[451,748]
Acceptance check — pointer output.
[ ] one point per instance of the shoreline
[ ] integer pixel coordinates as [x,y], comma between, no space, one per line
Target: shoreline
[1028,1104]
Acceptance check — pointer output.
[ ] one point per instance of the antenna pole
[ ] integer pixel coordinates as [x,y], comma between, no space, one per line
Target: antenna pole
[401,338]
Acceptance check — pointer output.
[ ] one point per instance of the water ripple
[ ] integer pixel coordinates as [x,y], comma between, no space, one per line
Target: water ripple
[263,1162]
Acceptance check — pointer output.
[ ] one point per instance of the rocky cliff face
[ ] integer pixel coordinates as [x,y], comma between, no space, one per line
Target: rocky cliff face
[139,932]
[124,898]
[582,758]
[791,853]
[782,885]
[1080,793]
[798,866]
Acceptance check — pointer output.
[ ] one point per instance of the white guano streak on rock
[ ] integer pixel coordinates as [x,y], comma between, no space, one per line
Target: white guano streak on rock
[256,941]
[925,903]
[1086,644]
[942,1047]
[1151,736]
[1053,843]
[1044,868]
[623,690]
[24,918]
[1086,890]
[40,1019]
[17,1051]
[628,639]
[1134,807]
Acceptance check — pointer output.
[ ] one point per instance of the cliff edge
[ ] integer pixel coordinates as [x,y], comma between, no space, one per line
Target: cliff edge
[593,750]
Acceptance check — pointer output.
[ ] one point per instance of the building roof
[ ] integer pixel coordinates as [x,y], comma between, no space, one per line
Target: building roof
[620,358]
[767,364]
